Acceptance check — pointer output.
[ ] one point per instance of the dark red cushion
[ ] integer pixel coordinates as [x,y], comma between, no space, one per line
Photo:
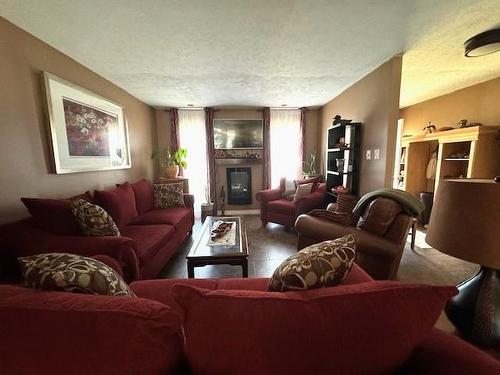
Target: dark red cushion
[54,215]
[310,180]
[180,217]
[62,333]
[144,199]
[281,206]
[119,203]
[149,239]
[367,328]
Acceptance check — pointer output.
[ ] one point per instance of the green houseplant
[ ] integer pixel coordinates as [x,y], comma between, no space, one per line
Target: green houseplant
[171,161]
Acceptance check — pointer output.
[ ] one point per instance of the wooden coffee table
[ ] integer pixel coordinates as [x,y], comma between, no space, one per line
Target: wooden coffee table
[201,254]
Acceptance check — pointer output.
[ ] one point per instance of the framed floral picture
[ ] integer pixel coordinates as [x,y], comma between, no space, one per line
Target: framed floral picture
[87,131]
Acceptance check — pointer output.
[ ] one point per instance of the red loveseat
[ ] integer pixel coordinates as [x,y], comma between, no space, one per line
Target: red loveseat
[275,208]
[57,332]
[149,236]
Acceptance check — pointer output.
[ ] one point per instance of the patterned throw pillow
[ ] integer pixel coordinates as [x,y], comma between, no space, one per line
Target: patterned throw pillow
[320,265]
[302,191]
[94,220]
[72,273]
[290,188]
[168,195]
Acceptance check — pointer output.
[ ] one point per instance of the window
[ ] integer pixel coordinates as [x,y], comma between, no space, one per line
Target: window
[285,144]
[193,138]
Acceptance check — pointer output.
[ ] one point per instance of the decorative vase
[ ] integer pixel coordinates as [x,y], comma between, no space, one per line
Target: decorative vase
[340,165]
[171,171]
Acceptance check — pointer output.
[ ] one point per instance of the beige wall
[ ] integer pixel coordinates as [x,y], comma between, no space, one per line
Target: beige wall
[25,159]
[374,101]
[312,118]
[478,103]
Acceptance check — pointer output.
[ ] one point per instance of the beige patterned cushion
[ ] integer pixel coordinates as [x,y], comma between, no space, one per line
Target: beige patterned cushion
[93,219]
[302,191]
[168,195]
[320,265]
[72,273]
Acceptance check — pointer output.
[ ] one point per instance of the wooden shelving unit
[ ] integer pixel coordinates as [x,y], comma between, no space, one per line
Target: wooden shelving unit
[461,153]
[348,176]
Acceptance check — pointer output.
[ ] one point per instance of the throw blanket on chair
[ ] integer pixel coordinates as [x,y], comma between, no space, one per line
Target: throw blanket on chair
[410,203]
[342,218]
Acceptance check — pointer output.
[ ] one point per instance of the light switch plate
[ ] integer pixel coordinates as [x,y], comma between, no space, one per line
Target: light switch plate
[368,154]
[376,154]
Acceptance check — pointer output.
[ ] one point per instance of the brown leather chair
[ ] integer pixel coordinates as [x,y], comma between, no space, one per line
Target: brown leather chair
[381,231]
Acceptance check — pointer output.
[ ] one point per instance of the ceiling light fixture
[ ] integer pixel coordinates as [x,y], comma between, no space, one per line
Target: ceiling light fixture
[283,105]
[483,44]
[190,105]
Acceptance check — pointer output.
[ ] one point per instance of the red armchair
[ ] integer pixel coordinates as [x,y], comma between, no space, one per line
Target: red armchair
[276,209]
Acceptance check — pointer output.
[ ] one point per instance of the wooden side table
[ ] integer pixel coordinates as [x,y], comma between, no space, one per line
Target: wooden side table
[184,180]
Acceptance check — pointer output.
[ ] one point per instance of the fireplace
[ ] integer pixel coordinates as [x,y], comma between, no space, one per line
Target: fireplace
[239,185]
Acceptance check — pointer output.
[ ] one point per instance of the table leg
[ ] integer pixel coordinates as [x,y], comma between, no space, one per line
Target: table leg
[190,270]
[244,267]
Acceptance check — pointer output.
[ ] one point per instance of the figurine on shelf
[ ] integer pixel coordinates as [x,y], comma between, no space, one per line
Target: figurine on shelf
[429,128]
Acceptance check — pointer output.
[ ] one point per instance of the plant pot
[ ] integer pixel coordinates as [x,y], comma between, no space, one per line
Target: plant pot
[171,171]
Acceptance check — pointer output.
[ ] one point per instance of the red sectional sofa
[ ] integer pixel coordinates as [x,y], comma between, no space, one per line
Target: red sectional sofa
[149,236]
[57,332]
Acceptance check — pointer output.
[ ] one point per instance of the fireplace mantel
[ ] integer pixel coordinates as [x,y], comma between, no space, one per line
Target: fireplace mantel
[237,161]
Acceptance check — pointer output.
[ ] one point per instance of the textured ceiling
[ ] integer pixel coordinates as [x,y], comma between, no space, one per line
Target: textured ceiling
[263,52]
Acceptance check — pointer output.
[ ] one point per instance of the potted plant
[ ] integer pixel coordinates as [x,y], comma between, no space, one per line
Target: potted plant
[309,167]
[171,161]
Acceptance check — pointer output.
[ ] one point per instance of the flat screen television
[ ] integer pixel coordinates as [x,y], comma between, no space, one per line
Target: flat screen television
[237,134]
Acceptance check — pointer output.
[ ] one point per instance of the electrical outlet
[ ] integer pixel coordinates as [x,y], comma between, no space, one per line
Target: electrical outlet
[376,154]
[368,154]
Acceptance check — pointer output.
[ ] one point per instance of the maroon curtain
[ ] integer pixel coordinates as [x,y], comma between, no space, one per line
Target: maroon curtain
[266,154]
[209,130]
[175,141]
[302,142]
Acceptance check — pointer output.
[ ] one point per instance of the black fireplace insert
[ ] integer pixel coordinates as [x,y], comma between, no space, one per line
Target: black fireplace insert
[239,185]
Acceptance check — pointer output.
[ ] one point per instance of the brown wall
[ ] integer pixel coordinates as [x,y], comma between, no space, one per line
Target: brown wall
[478,103]
[312,117]
[25,159]
[374,101]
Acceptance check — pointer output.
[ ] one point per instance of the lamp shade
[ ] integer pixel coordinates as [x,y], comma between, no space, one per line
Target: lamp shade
[465,221]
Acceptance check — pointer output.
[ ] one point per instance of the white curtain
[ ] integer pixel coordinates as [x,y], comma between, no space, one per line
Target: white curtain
[193,138]
[285,144]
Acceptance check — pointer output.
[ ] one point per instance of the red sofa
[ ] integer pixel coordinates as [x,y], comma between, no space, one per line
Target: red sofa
[276,209]
[57,332]
[149,236]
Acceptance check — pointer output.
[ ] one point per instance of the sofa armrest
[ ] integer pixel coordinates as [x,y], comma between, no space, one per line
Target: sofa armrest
[23,239]
[189,200]
[442,353]
[268,195]
[309,202]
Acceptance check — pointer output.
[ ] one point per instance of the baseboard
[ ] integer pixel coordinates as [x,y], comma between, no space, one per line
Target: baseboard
[239,212]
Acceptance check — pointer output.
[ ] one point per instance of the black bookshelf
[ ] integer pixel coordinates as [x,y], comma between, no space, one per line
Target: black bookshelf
[343,142]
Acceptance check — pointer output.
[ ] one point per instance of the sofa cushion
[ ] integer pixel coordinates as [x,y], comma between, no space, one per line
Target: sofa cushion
[119,203]
[310,180]
[379,216]
[54,215]
[149,239]
[61,333]
[72,273]
[143,192]
[168,195]
[320,265]
[302,191]
[281,206]
[180,217]
[368,328]
[94,221]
